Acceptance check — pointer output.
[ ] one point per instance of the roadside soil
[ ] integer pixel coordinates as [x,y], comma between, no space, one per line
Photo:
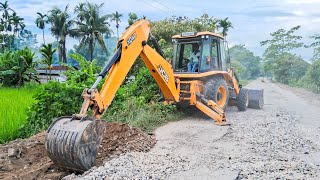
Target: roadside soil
[280,141]
[27,158]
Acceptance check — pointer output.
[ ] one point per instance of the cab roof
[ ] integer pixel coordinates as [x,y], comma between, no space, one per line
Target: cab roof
[196,34]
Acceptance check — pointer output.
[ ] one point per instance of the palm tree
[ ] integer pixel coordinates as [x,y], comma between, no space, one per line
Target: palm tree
[225,24]
[41,21]
[17,23]
[61,24]
[5,8]
[116,17]
[47,52]
[5,19]
[91,26]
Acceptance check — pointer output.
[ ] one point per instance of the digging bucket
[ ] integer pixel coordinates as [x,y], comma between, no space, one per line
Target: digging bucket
[73,144]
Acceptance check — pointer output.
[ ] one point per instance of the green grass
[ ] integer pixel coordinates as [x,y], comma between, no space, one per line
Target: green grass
[14,103]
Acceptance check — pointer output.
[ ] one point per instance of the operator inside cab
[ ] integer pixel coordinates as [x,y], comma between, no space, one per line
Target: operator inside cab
[193,64]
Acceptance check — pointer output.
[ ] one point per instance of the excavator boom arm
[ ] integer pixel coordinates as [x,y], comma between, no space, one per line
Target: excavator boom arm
[131,45]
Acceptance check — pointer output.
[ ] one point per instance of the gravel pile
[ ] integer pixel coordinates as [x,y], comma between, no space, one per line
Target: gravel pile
[136,165]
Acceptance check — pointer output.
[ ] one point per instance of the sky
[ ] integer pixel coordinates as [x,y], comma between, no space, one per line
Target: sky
[253,20]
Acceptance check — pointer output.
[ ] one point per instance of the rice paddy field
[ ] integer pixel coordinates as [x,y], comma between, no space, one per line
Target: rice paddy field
[14,103]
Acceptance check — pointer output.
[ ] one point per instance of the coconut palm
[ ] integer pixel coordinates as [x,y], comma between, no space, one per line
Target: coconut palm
[18,24]
[91,26]
[116,18]
[47,52]
[5,8]
[225,24]
[41,21]
[61,24]
[5,20]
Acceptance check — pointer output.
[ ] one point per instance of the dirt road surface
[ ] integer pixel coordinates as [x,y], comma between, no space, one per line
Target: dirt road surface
[280,141]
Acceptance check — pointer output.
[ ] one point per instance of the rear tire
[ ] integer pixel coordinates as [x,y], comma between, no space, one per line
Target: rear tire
[243,99]
[216,89]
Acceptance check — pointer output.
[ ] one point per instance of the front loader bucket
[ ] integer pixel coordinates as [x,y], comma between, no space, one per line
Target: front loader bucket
[73,144]
[256,99]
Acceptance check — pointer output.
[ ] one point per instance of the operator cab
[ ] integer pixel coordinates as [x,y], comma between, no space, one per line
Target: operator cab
[197,52]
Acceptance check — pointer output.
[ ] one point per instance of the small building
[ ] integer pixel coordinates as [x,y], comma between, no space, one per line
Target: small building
[57,74]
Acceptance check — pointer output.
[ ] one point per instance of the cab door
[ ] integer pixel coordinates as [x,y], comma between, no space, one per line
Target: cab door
[210,59]
[223,55]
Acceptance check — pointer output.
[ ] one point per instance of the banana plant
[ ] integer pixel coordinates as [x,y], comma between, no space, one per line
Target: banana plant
[87,71]
[18,67]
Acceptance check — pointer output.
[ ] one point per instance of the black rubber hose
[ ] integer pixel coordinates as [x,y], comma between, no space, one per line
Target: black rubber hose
[156,45]
[116,57]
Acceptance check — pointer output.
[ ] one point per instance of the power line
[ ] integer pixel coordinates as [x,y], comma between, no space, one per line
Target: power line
[150,4]
[162,4]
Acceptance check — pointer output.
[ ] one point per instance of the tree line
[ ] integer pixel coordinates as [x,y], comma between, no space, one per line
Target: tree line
[282,63]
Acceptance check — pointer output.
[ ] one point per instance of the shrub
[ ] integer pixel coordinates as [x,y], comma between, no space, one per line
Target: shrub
[136,112]
[311,80]
[53,100]
[144,85]
[136,104]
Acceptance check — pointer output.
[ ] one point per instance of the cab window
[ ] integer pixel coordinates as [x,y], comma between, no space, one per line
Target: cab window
[183,54]
[205,64]
[223,55]
[209,59]
[215,54]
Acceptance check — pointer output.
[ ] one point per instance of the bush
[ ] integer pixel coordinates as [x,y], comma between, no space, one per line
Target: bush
[52,100]
[136,104]
[144,85]
[146,116]
[311,80]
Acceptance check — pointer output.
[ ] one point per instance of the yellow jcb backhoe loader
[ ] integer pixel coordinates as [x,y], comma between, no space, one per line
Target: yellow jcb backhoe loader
[198,75]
